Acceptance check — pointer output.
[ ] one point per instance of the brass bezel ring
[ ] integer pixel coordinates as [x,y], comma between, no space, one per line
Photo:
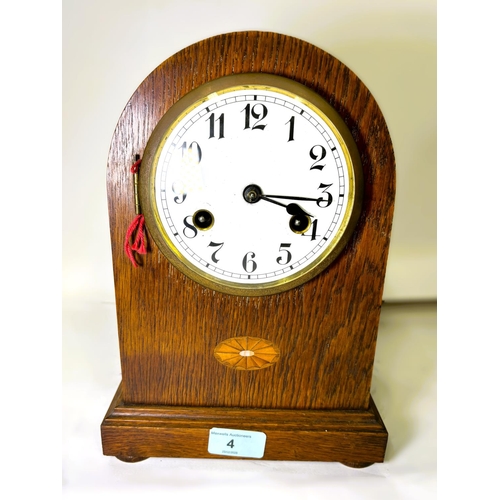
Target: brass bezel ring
[261,81]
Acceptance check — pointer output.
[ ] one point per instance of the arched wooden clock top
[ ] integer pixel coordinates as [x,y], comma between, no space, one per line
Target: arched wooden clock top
[173,388]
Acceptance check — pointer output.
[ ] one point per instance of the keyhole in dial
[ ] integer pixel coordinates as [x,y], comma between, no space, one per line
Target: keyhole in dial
[203,219]
[300,223]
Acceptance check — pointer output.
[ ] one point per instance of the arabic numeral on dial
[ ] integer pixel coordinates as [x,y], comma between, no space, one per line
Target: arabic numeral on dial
[249,265]
[322,202]
[212,121]
[314,230]
[218,246]
[191,153]
[318,154]
[257,112]
[178,189]
[189,230]
[291,130]
[287,257]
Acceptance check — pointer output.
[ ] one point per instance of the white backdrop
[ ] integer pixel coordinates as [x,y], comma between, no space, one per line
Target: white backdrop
[110,46]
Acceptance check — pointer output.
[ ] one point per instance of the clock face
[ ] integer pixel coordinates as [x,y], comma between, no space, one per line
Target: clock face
[253,184]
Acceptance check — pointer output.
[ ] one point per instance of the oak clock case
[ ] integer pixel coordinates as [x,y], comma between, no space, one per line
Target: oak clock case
[267,187]
[251,184]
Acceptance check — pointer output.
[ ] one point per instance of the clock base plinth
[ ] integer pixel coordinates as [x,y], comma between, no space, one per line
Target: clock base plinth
[355,438]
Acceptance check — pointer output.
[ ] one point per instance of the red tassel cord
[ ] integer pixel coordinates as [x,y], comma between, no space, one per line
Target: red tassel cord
[135,240]
[135,167]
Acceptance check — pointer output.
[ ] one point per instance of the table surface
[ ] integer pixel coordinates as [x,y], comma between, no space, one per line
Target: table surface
[403,388]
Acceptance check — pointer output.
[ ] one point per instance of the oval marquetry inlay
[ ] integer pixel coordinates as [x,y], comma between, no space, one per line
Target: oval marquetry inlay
[246,353]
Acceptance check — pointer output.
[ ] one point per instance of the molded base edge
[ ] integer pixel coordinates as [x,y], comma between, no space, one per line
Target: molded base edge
[356,438]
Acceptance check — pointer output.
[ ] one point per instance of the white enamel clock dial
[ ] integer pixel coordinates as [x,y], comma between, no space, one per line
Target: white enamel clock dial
[253,184]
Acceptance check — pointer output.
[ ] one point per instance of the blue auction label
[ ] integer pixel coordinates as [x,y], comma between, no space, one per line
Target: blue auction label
[236,443]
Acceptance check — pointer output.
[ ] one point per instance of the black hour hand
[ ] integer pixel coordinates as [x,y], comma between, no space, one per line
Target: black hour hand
[253,193]
[294,209]
[291,208]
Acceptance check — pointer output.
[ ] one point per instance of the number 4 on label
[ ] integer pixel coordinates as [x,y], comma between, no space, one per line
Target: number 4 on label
[231,443]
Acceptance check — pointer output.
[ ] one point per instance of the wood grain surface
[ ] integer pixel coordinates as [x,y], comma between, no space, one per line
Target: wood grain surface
[325,330]
[356,438]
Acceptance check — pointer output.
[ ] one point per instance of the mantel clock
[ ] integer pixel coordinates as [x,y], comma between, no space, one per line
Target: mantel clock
[263,190]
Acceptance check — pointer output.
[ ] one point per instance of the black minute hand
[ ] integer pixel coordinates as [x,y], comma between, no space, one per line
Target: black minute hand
[282,197]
